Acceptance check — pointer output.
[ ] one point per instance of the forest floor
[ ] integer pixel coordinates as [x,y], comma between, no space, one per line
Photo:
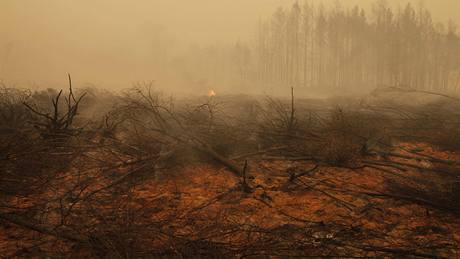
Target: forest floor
[346,211]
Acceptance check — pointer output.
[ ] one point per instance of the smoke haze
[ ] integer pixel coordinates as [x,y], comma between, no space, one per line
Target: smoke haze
[112,43]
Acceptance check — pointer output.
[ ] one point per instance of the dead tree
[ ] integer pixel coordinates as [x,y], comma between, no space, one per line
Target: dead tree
[57,122]
[281,117]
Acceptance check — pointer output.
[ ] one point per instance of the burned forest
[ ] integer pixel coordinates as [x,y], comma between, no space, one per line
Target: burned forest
[323,130]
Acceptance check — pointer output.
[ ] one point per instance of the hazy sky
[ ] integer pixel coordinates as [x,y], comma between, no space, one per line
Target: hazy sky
[115,42]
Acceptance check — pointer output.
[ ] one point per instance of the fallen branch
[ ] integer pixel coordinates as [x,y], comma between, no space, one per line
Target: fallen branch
[261,152]
[423,157]
[408,198]
[412,90]
[295,176]
[43,229]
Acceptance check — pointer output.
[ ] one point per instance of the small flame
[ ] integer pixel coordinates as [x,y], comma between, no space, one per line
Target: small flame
[211,93]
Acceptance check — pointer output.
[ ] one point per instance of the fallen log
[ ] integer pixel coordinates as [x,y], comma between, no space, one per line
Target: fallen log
[234,168]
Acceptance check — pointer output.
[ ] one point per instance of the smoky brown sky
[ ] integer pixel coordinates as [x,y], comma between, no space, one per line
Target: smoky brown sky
[112,43]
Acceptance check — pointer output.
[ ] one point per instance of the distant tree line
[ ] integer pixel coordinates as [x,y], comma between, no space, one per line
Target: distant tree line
[318,47]
[313,46]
